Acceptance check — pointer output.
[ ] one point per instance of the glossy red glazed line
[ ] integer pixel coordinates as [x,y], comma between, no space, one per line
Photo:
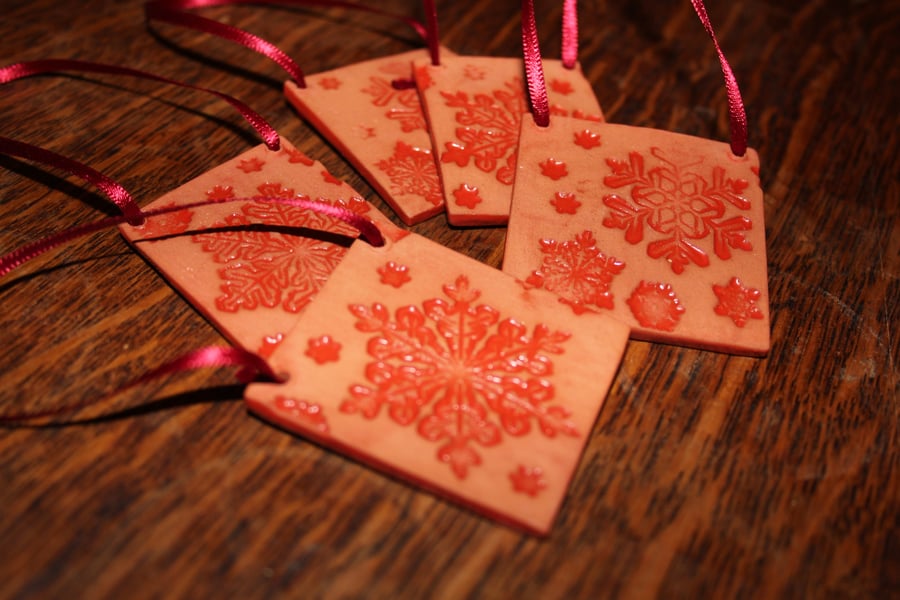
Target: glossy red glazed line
[173,11]
[210,356]
[38,67]
[11,261]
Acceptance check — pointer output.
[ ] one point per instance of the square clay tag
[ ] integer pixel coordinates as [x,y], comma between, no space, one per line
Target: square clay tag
[439,369]
[379,127]
[475,106]
[663,231]
[252,282]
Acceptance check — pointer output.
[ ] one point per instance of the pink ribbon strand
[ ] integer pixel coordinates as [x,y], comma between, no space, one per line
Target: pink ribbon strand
[534,68]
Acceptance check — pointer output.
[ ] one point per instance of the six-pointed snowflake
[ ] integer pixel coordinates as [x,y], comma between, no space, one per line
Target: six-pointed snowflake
[680,206]
[737,302]
[461,373]
[412,171]
[267,268]
[577,271]
[404,104]
[489,132]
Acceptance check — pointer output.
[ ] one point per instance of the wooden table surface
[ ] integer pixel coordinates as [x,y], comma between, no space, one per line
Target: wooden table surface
[706,475]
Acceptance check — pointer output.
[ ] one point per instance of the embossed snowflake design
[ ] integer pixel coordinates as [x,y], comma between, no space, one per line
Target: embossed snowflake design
[412,171]
[489,132]
[460,373]
[404,104]
[680,206]
[578,272]
[166,224]
[266,268]
[737,302]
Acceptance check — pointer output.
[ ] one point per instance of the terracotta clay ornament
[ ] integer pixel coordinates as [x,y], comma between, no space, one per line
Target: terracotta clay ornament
[370,111]
[251,282]
[661,230]
[475,106]
[439,369]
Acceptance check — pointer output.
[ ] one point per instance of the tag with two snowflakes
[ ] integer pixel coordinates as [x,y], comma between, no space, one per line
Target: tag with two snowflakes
[661,230]
[475,107]
[251,267]
[439,369]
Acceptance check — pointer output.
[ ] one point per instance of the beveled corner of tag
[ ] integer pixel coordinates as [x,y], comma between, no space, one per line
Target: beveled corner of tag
[436,368]
[251,268]
[661,230]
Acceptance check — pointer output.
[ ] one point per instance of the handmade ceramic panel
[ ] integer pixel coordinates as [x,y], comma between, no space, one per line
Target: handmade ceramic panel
[370,111]
[660,230]
[475,106]
[448,373]
[253,282]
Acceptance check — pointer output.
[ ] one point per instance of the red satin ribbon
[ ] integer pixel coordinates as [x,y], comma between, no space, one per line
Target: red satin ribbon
[11,261]
[37,67]
[114,191]
[570,34]
[208,357]
[173,12]
[537,87]
[736,112]
[534,70]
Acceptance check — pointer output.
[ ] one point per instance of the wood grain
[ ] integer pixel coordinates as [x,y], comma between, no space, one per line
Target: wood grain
[706,475]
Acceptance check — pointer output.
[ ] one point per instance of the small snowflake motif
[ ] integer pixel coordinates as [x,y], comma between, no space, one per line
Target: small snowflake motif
[423,78]
[656,306]
[307,413]
[565,203]
[554,169]
[394,274]
[329,178]
[330,83]
[587,139]
[364,132]
[561,86]
[474,73]
[464,376]
[170,223]
[413,171]
[680,208]
[528,480]
[577,271]
[580,114]
[467,195]
[220,193]
[250,165]
[558,110]
[737,302]
[297,157]
[323,349]
[269,344]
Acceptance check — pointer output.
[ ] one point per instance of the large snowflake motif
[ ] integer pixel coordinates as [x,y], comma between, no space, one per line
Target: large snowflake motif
[577,271]
[679,204]
[458,371]
[264,267]
[405,105]
[412,171]
[490,129]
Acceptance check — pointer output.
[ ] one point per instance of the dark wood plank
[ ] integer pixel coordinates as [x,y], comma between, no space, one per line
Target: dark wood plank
[706,475]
